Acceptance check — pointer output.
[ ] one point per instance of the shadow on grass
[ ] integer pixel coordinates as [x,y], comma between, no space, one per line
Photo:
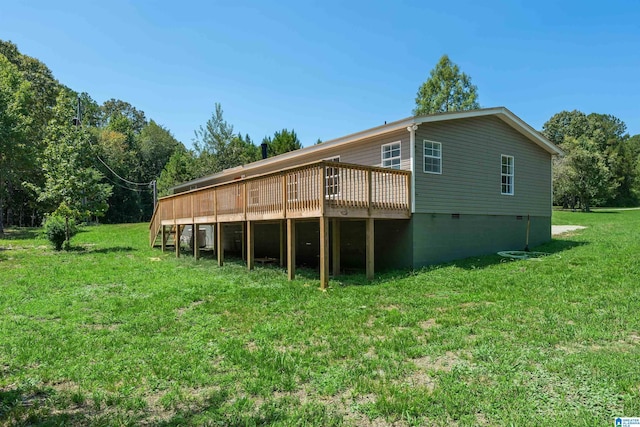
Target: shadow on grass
[87,250]
[357,276]
[20,233]
[553,247]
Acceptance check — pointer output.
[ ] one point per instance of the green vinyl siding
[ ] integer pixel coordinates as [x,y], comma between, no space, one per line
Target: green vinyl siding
[470,182]
[364,152]
[440,237]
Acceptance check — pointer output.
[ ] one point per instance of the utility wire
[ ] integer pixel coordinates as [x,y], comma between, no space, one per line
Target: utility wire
[137,190]
[78,122]
[145,184]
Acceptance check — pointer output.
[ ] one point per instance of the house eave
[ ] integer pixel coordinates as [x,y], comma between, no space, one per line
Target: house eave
[501,112]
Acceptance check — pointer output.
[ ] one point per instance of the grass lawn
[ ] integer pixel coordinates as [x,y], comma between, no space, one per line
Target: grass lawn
[115,333]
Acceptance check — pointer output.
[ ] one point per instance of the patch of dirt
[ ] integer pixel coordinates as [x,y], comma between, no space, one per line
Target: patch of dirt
[427,324]
[183,310]
[102,326]
[251,346]
[419,378]
[442,363]
[481,419]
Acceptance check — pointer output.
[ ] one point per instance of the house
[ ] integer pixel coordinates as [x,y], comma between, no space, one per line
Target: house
[414,192]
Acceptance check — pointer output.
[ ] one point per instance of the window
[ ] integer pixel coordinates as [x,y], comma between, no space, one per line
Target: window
[332,179]
[432,157]
[254,196]
[292,186]
[391,155]
[507,174]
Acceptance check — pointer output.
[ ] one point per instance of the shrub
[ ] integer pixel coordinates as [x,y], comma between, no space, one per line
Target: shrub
[55,230]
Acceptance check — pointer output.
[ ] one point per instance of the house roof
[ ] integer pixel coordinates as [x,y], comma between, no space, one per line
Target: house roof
[501,112]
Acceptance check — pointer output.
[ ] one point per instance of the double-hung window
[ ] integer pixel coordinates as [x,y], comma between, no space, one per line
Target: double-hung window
[332,180]
[507,174]
[432,157]
[391,155]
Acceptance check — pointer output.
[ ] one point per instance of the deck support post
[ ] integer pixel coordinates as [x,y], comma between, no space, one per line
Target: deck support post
[291,248]
[163,237]
[177,241]
[335,245]
[194,239]
[283,243]
[370,261]
[243,240]
[250,244]
[324,252]
[220,244]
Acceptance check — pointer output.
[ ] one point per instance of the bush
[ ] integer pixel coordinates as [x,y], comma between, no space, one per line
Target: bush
[55,230]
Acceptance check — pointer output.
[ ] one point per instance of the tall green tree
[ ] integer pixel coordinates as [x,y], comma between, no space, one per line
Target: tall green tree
[115,108]
[609,141]
[180,168]
[582,174]
[573,124]
[73,186]
[218,147]
[282,142]
[156,145]
[19,201]
[15,99]
[446,89]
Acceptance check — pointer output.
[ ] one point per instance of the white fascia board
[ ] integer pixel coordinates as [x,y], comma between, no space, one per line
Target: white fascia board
[391,127]
[521,126]
[501,112]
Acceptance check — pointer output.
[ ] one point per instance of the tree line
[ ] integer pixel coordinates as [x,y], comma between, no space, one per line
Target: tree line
[62,152]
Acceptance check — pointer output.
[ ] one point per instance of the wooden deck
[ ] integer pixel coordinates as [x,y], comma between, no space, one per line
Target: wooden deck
[324,190]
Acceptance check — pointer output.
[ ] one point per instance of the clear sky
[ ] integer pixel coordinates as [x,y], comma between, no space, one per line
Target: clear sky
[329,68]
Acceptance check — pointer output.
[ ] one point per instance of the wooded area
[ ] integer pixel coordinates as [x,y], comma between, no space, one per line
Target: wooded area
[61,151]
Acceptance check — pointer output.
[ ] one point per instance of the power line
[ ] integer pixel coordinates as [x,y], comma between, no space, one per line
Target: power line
[145,184]
[77,121]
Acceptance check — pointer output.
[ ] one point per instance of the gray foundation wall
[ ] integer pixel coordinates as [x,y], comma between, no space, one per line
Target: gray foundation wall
[442,237]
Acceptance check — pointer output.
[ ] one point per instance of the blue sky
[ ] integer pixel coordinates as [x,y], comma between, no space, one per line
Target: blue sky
[330,68]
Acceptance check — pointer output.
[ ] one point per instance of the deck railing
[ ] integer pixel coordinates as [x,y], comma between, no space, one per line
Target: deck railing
[317,189]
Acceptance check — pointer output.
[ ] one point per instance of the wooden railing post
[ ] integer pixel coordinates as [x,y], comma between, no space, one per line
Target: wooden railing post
[291,248]
[369,190]
[284,194]
[322,189]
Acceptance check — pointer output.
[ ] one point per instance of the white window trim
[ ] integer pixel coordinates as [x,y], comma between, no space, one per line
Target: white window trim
[424,157]
[292,187]
[399,157]
[328,177]
[254,196]
[512,174]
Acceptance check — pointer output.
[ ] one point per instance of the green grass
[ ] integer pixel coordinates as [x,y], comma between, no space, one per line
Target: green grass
[115,333]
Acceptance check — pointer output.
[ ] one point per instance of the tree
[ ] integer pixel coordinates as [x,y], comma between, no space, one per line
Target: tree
[181,167]
[25,167]
[447,89]
[573,124]
[115,149]
[115,108]
[72,186]
[282,142]
[583,174]
[15,99]
[219,148]
[156,145]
